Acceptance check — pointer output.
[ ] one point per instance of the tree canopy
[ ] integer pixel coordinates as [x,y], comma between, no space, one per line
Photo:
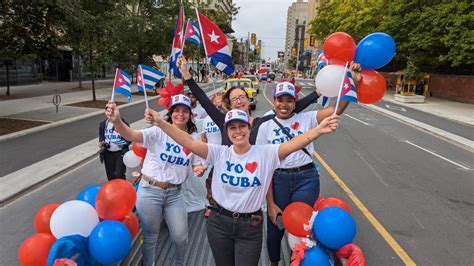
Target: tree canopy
[434,35]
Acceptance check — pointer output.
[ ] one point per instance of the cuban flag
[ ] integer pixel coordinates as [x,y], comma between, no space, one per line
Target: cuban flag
[147,77]
[192,33]
[349,89]
[215,45]
[122,83]
[322,60]
[323,101]
[178,42]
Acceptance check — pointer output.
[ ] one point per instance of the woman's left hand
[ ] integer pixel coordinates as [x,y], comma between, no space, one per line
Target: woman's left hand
[355,71]
[198,170]
[328,125]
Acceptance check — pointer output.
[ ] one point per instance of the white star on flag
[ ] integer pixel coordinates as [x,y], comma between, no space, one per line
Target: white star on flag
[214,37]
[179,36]
[120,80]
[346,86]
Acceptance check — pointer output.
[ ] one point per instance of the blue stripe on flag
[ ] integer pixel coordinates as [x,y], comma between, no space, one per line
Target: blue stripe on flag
[150,77]
[125,91]
[350,96]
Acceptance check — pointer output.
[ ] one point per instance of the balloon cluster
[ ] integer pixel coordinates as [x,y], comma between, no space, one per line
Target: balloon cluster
[135,157]
[98,225]
[374,51]
[315,232]
[167,92]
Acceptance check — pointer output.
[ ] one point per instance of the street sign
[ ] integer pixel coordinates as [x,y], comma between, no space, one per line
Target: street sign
[56,100]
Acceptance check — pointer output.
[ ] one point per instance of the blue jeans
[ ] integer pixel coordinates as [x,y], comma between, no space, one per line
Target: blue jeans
[290,187]
[154,204]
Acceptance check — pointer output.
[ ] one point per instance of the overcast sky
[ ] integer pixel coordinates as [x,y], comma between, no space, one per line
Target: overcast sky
[266,18]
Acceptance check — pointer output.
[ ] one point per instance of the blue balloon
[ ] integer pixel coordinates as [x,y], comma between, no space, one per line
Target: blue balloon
[316,256]
[89,194]
[71,247]
[109,242]
[375,51]
[334,227]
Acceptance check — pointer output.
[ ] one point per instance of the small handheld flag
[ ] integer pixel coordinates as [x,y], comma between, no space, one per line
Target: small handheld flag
[150,77]
[215,45]
[122,84]
[141,83]
[192,33]
[349,89]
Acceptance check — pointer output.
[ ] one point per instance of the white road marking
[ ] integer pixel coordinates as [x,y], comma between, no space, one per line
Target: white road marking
[365,123]
[417,221]
[437,155]
[395,108]
[372,169]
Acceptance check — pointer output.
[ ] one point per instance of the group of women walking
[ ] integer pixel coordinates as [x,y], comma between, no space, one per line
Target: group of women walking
[257,159]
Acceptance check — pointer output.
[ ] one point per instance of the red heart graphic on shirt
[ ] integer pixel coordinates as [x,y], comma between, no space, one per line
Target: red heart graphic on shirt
[186,151]
[251,167]
[295,125]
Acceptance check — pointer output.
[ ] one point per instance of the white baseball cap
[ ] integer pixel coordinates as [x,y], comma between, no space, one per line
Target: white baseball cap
[283,88]
[180,99]
[236,114]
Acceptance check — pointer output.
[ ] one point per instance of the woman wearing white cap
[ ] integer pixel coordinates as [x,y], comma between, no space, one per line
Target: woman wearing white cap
[164,170]
[242,175]
[296,179]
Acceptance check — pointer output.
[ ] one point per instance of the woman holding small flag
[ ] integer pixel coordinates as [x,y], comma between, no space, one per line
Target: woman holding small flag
[297,178]
[243,175]
[164,169]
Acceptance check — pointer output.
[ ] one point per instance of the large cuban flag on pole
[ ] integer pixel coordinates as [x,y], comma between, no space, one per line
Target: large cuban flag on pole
[215,45]
[193,33]
[178,42]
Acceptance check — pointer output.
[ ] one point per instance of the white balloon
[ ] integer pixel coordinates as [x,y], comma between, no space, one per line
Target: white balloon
[329,79]
[75,217]
[293,240]
[131,160]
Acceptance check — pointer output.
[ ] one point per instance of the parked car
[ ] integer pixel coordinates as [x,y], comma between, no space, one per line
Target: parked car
[254,80]
[247,85]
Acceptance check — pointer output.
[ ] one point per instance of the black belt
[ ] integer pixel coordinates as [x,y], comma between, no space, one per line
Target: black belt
[235,215]
[296,169]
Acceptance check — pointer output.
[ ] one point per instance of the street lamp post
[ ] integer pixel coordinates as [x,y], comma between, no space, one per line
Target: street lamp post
[298,50]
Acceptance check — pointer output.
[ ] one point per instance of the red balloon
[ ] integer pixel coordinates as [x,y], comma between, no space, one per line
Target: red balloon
[131,221]
[35,249]
[139,150]
[318,202]
[371,88]
[42,218]
[339,45]
[295,216]
[115,199]
[333,202]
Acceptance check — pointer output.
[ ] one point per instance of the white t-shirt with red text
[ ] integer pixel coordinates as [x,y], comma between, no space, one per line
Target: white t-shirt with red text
[166,160]
[270,133]
[240,181]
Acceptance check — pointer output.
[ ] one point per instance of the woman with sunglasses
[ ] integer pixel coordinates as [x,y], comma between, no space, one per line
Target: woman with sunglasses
[242,176]
[164,170]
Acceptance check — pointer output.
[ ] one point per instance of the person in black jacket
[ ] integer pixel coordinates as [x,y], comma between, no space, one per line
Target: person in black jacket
[113,147]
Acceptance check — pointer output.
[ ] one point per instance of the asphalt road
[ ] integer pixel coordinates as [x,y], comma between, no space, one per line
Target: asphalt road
[29,149]
[417,186]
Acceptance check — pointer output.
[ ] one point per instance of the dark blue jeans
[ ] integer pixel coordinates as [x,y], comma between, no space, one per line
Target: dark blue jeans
[290,187]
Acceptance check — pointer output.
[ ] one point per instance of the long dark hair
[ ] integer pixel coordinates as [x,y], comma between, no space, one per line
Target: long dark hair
[227,97]
[190,125]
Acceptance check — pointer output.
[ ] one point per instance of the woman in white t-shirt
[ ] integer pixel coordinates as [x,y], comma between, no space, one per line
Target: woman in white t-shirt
[242,175]
[164,170]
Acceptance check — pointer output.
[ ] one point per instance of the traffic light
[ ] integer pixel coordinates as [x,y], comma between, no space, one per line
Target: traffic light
[253,39]
[311,40]
[293,51]
[257,49]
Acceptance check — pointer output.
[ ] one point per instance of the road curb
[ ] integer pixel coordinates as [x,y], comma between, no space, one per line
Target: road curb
[64,121]
[447,136]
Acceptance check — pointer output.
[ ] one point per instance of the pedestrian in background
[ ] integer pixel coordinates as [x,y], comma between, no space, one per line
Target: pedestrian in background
[112,148]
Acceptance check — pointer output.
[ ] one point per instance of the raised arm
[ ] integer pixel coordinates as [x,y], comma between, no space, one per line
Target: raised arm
[112,112]
[216,115]
[306,101]
[181,137]
[326,126]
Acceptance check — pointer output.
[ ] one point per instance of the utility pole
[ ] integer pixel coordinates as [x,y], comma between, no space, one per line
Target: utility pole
[247,46]
[298,50]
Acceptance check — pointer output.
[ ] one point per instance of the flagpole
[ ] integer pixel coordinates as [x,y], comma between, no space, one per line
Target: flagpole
[144,87]
[113,88]
[205,48]
[340,87]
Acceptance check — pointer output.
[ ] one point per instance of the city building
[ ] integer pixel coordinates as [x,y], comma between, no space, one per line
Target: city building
[295,29]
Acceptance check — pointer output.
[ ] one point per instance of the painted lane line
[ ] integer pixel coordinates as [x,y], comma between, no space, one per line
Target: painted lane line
[365,123]
[395,108]
[370,217]
[371,168]
[437,155]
